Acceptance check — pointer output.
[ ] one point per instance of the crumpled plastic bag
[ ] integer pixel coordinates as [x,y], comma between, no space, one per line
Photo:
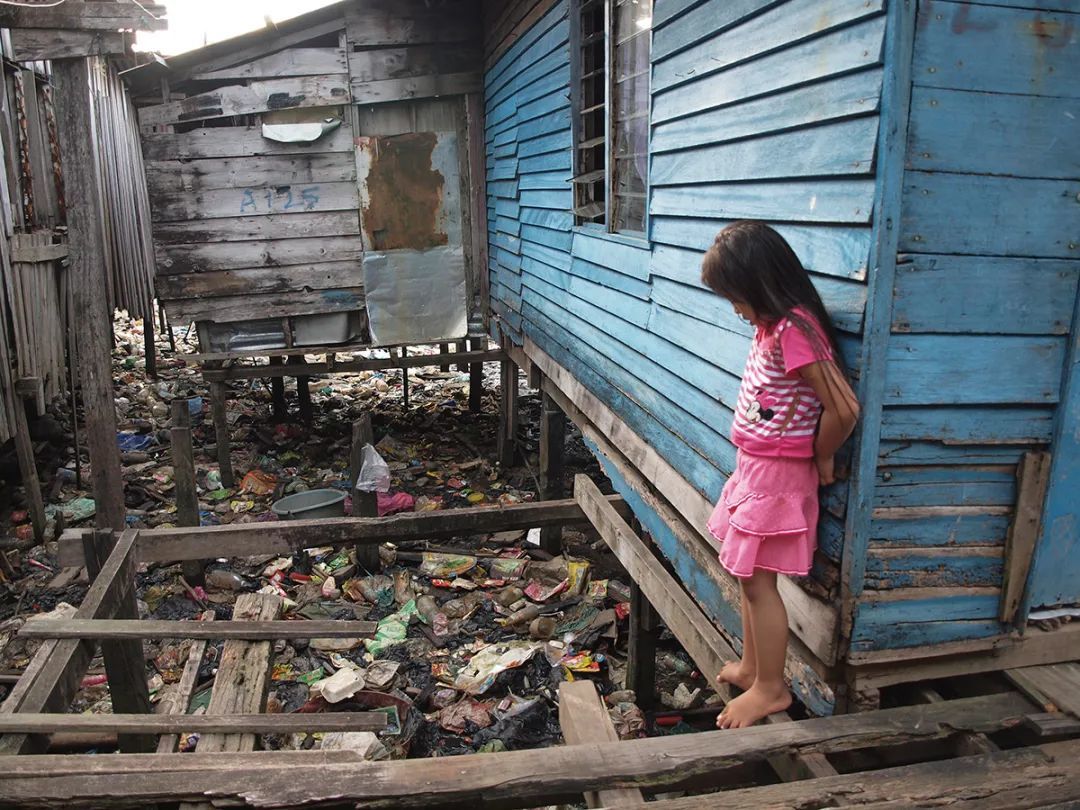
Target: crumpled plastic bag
[374,472]
[391,630]
[480,673]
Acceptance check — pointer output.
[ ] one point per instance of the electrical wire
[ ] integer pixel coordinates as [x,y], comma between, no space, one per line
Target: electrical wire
[145,10]
[32,5]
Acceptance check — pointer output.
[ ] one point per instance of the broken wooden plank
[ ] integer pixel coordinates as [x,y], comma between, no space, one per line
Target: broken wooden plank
[291,62]
[1044,776]
[243,142]
[243,676]
[511,779]
[584,719]
[37,44]
[272,305]
[256,97]
[1052,724]
[52,678]
[195,723]
[1033,474]
[154,628]
[37,253]
[177,700]
[286,537]
[1055,686]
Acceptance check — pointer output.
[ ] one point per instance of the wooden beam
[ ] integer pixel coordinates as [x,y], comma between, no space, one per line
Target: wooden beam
[125,659]
[1033,649]
[243,676]
[552,453]
[219,396]
[508,412]
[642,638]
[178,699]
[24,449]
[476,379]
[1033,476]
[255,97]
[92,16]
[510,779]
[1043,776]
[364,504]
[187,497]
[86,240]
[54,676]
[349,366]
[37,44]
[286,537]
[164,628]
[143,724]
[584,719]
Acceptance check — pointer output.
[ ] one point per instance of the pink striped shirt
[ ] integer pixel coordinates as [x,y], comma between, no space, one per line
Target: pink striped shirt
[778,411]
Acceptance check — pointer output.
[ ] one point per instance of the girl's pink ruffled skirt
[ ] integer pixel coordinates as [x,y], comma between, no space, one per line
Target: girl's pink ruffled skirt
[767,516]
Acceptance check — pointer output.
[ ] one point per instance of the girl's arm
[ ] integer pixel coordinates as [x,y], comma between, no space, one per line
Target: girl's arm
[840,412]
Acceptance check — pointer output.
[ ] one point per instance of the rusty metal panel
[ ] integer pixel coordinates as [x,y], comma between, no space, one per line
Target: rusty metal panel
[410,194]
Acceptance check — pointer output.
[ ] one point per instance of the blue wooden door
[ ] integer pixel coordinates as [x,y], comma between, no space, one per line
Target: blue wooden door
[1055,578]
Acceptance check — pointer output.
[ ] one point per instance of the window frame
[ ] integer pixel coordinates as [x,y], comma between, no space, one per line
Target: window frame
[577,7]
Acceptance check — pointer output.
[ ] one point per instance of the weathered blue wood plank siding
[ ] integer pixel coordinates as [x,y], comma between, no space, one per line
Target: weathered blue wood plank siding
[772,110]
[983,307]
[760,109]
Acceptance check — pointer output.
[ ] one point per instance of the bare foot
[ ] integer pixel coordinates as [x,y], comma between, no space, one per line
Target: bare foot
[737,674]
[754,704]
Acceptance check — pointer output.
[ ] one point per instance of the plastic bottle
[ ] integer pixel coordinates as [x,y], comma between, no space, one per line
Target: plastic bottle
[222,580]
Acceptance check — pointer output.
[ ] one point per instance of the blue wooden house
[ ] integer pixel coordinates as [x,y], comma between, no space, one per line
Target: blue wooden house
[923,160]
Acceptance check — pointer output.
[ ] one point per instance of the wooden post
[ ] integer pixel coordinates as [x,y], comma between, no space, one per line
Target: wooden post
[166,327]
[24,447]
[508,412]
[444,349]
[404,380]
[552,444]
[125,661]
[149,349]
[277,394]
[187,499]
[303,391]
[82,188]
[476,381]
[641,644]
[364,504]
[218,396]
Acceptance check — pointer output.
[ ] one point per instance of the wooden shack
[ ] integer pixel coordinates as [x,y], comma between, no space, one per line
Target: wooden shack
[311,183]
[922,160]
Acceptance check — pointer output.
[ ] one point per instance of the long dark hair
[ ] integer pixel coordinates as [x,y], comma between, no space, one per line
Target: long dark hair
[750,263]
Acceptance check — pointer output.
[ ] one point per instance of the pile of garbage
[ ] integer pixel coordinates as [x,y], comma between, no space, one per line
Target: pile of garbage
[474,635]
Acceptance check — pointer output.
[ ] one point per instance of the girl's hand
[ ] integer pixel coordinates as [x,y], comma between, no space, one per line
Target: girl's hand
[826,468]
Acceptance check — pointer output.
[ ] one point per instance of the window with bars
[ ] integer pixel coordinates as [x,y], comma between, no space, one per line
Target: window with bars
[610,92]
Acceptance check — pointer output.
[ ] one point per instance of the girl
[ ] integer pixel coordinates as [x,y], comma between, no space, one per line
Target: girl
[795,409]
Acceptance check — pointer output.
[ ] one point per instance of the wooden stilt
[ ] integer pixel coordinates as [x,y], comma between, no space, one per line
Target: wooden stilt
[508,412]
[166,327]
[476,382]
[24,448]
[125,661]
[460,346]
[364,504]
[187,500]
[641,645]
[552,444]
[303,391]
[82,186]
[149,349]
[277,394]
[404,380]
[218,397]
[444,349]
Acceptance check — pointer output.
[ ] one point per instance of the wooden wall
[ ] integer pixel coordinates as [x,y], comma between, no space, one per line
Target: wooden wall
[983,305]
[766,110]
